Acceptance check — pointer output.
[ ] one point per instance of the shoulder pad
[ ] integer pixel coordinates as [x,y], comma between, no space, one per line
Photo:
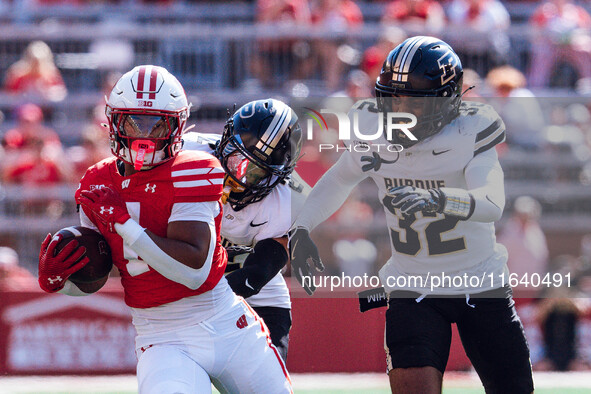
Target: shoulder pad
[200,141]
[196,176]
[484,123]
[96,176]
[365,117]
[369,105]
[298,185]
[195,158]
[100,169]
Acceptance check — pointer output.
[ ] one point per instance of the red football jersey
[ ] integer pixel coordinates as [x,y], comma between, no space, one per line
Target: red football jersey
[149,196]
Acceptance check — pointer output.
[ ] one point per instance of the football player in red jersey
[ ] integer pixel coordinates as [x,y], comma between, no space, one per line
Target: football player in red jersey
[160,211]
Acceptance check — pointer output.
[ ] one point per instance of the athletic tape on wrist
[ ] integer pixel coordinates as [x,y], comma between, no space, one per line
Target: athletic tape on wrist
[458,202]
[130,231]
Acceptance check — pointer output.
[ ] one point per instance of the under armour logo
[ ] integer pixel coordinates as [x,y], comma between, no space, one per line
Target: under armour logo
[125,183]
[241,322]
[105,210]
[59,279]
[150,188]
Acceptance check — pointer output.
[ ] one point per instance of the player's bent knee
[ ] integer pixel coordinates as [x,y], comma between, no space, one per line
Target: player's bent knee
[416,380]
[167,370]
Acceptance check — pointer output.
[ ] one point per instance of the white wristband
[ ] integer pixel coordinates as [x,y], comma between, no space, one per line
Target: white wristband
[130,231]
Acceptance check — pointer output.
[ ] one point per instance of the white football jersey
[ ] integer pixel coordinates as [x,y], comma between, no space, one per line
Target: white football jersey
[269,218]
[431,244]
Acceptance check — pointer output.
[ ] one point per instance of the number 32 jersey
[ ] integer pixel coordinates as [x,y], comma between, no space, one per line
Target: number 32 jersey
[430,244]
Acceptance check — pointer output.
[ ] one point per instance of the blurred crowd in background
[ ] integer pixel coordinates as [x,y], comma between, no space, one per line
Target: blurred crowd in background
[530,59]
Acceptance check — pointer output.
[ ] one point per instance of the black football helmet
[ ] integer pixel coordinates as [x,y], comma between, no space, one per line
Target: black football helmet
[424,67]
[259,149]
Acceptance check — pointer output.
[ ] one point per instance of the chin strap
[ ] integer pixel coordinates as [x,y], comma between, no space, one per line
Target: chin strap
[467,90]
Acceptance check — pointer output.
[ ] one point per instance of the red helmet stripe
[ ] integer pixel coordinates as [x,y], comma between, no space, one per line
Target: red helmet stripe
[140,82]
[153,78]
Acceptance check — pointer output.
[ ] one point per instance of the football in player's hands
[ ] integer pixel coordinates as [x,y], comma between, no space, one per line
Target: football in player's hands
[92,276]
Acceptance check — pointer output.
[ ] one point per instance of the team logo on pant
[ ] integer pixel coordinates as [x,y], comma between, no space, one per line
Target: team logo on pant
[241,322]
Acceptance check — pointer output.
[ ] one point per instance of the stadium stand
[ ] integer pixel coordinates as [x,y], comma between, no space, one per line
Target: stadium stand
[193,39]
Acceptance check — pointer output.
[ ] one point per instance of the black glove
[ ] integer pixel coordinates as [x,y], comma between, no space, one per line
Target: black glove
[410,199]
[303,251]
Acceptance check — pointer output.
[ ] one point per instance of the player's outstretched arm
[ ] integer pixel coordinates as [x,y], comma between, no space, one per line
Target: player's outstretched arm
[330,192]
[486,183]
[266,260]
[325,198]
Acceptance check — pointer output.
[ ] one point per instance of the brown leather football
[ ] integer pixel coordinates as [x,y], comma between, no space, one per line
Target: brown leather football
[93,275]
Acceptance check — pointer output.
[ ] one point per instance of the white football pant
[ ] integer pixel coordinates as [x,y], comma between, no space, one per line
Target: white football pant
[232,350]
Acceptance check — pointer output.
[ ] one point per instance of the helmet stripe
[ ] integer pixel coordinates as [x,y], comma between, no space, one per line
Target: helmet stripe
[276,125]
[140,82]
[411,55]
[278,112]
[153,79]
[401,52]
[277,132]
[281,131]
[403,57]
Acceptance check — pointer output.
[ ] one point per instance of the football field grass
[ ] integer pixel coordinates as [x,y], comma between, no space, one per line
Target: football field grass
[454,383]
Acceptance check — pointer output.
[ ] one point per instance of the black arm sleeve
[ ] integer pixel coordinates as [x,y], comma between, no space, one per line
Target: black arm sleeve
[268,258]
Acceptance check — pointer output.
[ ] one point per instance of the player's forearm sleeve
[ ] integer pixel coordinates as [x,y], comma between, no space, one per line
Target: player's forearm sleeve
[330,192]
[267,259]
[485,181]
[140,242]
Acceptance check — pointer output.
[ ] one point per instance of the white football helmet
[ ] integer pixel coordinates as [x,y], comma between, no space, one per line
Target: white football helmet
[147,112]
